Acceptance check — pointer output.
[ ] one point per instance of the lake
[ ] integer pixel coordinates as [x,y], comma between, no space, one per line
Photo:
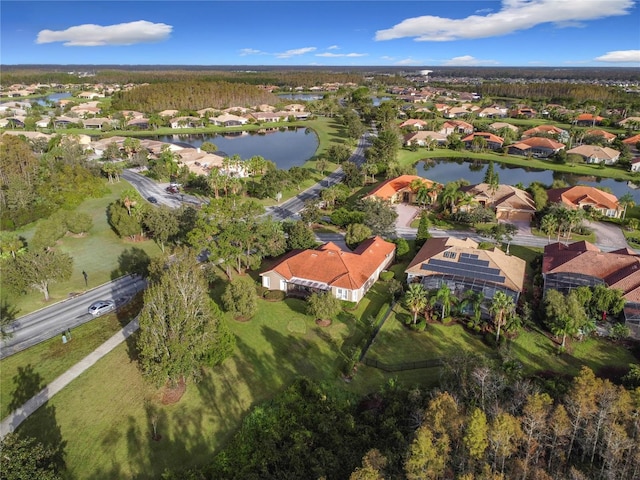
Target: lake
[446,170]
[54,97]
[288,148]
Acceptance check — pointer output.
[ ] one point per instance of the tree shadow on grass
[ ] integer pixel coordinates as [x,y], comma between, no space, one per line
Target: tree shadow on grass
[42,424]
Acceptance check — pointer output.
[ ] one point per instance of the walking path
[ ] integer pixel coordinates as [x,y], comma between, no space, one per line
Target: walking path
[15,418]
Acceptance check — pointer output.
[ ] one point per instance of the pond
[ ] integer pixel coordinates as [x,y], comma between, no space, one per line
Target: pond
[54,97]
[448,170]
[288,148]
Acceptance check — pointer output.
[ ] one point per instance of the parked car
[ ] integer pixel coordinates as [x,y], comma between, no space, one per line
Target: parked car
[172,189]
[152,199]
[102,306]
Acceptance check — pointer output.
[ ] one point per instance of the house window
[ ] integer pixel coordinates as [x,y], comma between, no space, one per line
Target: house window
[342,293]
[449,254]
[283,285]
[266,282]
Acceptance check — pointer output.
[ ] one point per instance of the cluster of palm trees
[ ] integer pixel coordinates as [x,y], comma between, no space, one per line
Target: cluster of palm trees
[561,221]
[418,300]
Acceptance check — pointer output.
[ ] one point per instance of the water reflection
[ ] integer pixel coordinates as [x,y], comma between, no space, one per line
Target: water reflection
[448,170]
[286,148]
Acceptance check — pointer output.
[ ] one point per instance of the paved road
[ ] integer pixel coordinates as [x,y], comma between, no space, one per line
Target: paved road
[294,205]
[149,188]
[52,321]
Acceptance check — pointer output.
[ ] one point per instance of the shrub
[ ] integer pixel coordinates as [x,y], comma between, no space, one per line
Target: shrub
[419,326]
[274,295]
[386,276]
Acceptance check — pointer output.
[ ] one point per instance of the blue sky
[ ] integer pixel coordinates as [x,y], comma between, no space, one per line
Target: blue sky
[315,32]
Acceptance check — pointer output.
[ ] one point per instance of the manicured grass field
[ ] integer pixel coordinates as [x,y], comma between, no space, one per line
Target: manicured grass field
[98,254]
[396,344]
[105,416]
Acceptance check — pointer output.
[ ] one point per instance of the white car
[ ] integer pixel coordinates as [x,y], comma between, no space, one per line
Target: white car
[101,306]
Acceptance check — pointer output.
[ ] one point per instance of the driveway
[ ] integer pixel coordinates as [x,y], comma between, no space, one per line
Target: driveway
[608,235]
[406,214]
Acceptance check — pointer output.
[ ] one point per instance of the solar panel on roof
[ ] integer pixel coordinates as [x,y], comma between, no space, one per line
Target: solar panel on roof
[480,272]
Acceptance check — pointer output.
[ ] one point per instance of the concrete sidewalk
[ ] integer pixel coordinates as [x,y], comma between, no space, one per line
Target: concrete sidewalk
[15,418]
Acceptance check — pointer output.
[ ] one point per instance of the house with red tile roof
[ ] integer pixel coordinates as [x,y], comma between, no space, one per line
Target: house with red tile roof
[456,126]
[632,141]
[583,264]
[630,122]
[398,190]
[596,132]
[588,120]
[348,275]
[582,196]
[462,266]
[596,154]
[546,130]
[494,142]
[539,147]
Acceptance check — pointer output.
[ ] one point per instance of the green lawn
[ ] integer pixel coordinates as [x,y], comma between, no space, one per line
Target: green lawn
[24,374]
[98,254]
[104,416]
[397,344]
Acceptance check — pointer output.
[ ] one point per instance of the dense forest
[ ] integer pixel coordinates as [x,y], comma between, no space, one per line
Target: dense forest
[34,186]
[191,96]
[282,78]
[483,423]
[567,94]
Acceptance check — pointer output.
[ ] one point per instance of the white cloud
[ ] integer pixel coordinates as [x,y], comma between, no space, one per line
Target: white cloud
[468,60]
[90,35]
[336,55]
[333,47]
[513,16]
[250,51]
[620,56]
[295,52]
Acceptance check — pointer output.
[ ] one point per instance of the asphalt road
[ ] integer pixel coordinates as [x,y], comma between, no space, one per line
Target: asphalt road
[148,188]
[294,205]
[54,320]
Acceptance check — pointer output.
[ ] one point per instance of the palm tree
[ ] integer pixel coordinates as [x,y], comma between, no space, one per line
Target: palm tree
[415,299]
[449,196]
[502,306]
[626,201]
[548,225]
[474,299]
[447,299]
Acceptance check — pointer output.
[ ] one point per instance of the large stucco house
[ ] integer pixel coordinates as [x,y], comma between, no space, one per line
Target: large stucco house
[461,265]
[348,275]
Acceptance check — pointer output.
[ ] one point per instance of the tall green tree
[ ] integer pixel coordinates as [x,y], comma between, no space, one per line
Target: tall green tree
[565,315]
[25,458]
[502,306]
[180,325]
[416,300]
[379,216]
[423,233]
[163,223]
[37,270]
[323,306]
[240,298]
[476,436]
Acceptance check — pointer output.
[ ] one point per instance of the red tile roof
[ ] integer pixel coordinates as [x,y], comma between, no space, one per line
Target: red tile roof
[489,136]
[332,266]
[389,188]
[619,269]
[581,194]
